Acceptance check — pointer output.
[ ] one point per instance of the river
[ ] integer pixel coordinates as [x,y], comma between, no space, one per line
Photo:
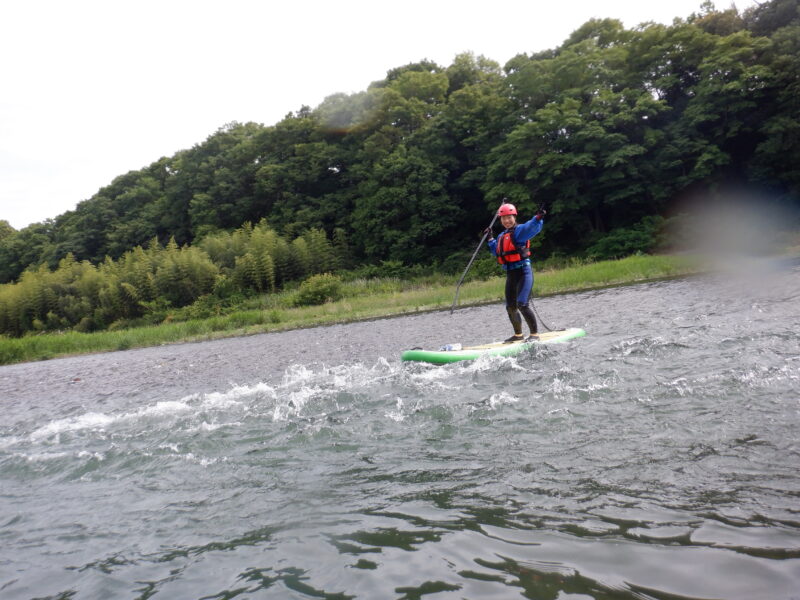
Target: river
[656,458]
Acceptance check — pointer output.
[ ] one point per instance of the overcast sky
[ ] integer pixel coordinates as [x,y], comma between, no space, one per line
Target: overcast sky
[94,89]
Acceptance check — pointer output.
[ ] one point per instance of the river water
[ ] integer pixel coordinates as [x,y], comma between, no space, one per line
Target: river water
[655,458]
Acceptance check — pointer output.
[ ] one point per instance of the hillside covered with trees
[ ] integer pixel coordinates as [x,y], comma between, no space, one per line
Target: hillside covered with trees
[609,132]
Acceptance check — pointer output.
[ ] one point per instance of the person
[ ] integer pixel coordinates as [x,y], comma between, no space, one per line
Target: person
[512,249]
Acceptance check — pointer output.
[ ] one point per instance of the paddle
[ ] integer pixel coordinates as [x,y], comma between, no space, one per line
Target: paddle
[471,260]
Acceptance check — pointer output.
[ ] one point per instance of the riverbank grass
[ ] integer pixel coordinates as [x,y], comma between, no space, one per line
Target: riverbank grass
[362,299]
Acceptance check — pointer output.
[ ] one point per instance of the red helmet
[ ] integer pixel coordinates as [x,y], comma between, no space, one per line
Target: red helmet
[506,209]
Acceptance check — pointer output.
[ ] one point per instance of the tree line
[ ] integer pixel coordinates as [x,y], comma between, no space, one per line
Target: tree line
[607,131]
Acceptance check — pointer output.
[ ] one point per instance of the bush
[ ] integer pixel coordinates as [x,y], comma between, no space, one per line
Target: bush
[641,238]
[204,307]
[85,325]
[387,269]
[319,289]
[483,268]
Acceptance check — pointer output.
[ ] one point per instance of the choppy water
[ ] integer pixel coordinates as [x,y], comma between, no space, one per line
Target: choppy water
[656,458]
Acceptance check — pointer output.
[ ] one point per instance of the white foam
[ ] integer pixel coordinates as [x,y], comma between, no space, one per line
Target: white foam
[90,420]
[490,362]
[94,421]
[160,409]
[397,415]
[350,376]
[682,387]
[432,374]
[41,456]
[205,426]
[235,395]
[199,460]
[502,398]
[296,374]
[294,403]
[9,442]
[86,454]
[299,385]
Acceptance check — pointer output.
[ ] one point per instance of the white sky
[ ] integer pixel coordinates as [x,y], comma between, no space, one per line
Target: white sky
[90,90]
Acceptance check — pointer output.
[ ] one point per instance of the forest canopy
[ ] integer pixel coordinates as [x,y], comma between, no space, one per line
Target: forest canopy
[609,132]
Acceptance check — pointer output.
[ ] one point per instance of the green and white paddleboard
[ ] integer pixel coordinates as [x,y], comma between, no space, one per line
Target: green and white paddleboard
[441,357]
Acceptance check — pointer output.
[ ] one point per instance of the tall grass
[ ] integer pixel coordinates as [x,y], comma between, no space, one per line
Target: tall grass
[363,299]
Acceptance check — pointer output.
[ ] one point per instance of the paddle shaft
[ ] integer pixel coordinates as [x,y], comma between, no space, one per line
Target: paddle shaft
[472,260]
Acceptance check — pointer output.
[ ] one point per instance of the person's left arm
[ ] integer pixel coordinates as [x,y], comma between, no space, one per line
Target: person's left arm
[526,231]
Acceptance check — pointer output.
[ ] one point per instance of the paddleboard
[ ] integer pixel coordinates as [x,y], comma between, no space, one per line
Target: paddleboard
[445,356]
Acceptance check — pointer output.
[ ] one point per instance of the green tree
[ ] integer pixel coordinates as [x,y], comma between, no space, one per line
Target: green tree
[404,209]
[224,174]
[477,117]
[30,246]
[6,230]
[468,70]
[767,18]
[776,159]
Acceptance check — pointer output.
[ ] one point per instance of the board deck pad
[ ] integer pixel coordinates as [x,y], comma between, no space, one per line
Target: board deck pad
[491,349]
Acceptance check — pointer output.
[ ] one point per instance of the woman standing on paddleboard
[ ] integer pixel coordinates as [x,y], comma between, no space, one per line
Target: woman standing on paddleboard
[512,249]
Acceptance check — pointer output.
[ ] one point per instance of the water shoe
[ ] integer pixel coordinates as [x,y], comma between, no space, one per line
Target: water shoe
[513,338]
